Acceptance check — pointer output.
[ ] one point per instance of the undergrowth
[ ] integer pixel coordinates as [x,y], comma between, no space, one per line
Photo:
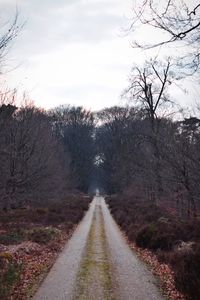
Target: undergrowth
[46,226]
[9,276]
[174,241]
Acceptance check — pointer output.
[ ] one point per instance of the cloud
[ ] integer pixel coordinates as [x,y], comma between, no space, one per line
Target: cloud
[71,51]
[50,24]
[88,75]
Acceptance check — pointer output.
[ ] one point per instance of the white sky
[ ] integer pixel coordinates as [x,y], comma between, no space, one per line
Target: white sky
[74,52]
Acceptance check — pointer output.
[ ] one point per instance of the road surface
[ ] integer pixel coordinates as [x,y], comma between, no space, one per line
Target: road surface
[97,264]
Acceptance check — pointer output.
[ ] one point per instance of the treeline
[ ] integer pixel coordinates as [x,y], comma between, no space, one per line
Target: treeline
[43,154]
[159,164]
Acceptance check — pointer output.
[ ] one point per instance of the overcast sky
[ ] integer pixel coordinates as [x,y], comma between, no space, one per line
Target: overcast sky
[72,51]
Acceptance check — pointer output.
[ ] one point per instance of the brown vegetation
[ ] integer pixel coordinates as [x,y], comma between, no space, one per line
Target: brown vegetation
[30,240]
[175,241]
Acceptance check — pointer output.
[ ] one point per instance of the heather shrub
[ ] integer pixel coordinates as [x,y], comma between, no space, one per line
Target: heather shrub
[43,235]
[175,241]
[12,238]
[8,278]
[145,235]
[186,266]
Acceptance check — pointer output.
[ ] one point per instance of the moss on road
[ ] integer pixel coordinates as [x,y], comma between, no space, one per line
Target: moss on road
[94,278]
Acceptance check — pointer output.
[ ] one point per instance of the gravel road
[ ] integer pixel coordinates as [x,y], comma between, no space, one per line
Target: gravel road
[132,278]
[98,264]
[59,283]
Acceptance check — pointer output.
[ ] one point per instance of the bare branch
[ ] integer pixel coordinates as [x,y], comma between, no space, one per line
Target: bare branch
[177,20]
[193,12]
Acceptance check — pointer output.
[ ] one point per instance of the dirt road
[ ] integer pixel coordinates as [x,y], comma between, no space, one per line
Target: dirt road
[97,263]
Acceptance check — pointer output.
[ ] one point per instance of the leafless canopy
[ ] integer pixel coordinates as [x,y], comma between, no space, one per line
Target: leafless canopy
[178,21]
[148,86]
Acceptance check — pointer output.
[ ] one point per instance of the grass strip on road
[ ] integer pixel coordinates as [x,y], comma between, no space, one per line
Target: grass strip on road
[94,279]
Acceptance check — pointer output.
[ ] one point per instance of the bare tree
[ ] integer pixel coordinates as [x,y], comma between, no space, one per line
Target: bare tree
[178,20]
[148,86]
[30,157]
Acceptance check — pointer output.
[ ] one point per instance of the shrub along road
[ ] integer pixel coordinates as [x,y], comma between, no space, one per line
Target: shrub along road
[97,263]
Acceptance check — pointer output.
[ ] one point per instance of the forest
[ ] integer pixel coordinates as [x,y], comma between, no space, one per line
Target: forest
[144,156]
[45,153]
[150,167]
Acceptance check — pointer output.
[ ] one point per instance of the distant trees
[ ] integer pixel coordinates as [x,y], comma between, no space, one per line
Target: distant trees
[160,167]
[74,126]
[116,140]
[44,155]
[124,145]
